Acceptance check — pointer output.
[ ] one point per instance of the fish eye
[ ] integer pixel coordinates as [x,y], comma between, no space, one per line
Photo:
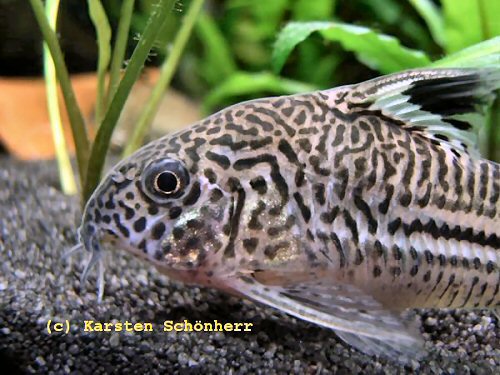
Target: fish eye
[167,183]
[165,178]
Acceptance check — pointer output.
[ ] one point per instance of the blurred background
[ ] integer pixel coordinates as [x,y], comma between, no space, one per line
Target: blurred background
[242,30]
[229,49]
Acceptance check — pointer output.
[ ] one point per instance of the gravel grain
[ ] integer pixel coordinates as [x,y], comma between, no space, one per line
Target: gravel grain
[38,224]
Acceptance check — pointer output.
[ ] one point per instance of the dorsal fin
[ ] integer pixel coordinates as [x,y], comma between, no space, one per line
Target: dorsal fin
[444,105]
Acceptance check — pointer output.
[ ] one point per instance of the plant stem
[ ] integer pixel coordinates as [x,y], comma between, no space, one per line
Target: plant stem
[132,72]
[120,48]
[66,175]
[166,74]
[103,33]
[75,116]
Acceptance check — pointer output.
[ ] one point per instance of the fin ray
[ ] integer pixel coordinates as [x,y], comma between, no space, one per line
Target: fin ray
[441,102]
[360,319]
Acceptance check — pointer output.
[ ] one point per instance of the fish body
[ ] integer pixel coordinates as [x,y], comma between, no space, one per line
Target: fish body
[342,207]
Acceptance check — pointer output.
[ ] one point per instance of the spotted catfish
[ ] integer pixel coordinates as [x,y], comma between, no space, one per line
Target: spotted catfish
[341,207]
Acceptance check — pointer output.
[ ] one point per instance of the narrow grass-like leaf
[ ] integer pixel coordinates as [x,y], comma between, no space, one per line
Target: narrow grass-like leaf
[433,18]
[66,175]
[217,62]
[132,72]
[482,54]
[291,35]
[166,74]
[103,32]
[244,83]
[378,51]
[78,129]
[118,57]
[469,22]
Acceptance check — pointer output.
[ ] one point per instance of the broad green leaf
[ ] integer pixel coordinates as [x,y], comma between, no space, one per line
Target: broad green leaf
[378,51]
[486,53]
[313,66]
[490,13]
[217,62]
[470,21]
[432,17]
[103,32]
[244,83]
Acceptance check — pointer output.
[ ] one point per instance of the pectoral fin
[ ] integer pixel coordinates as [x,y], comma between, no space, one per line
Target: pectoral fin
[356,317]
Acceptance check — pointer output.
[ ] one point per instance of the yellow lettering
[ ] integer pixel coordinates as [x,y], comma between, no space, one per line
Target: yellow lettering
[108,327]
[188,327]
[218,326]
[98,327]
[138,327]
[237,327]
[228,327]
[128,326]
[148,327]
[168,325]
[178,327]
[118,327]
[88,326]
[248,327]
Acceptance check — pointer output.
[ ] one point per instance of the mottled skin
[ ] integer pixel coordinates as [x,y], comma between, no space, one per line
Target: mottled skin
[309,187]
[340,207]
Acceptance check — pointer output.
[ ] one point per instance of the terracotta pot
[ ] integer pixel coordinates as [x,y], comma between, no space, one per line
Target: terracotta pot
[24,120]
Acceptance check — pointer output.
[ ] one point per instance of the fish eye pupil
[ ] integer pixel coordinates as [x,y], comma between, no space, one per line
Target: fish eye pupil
[167,182]
[164,179]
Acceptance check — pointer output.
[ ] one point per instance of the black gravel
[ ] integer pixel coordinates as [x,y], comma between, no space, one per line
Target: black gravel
[38,224]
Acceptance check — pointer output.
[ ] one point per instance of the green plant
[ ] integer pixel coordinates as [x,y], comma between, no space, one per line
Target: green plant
[66,176]
[244,49]
[166,74]
[246,52]
[91,155]
[467,41]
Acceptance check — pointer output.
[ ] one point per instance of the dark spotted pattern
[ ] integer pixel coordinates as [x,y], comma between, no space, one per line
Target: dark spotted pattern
[325,181]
